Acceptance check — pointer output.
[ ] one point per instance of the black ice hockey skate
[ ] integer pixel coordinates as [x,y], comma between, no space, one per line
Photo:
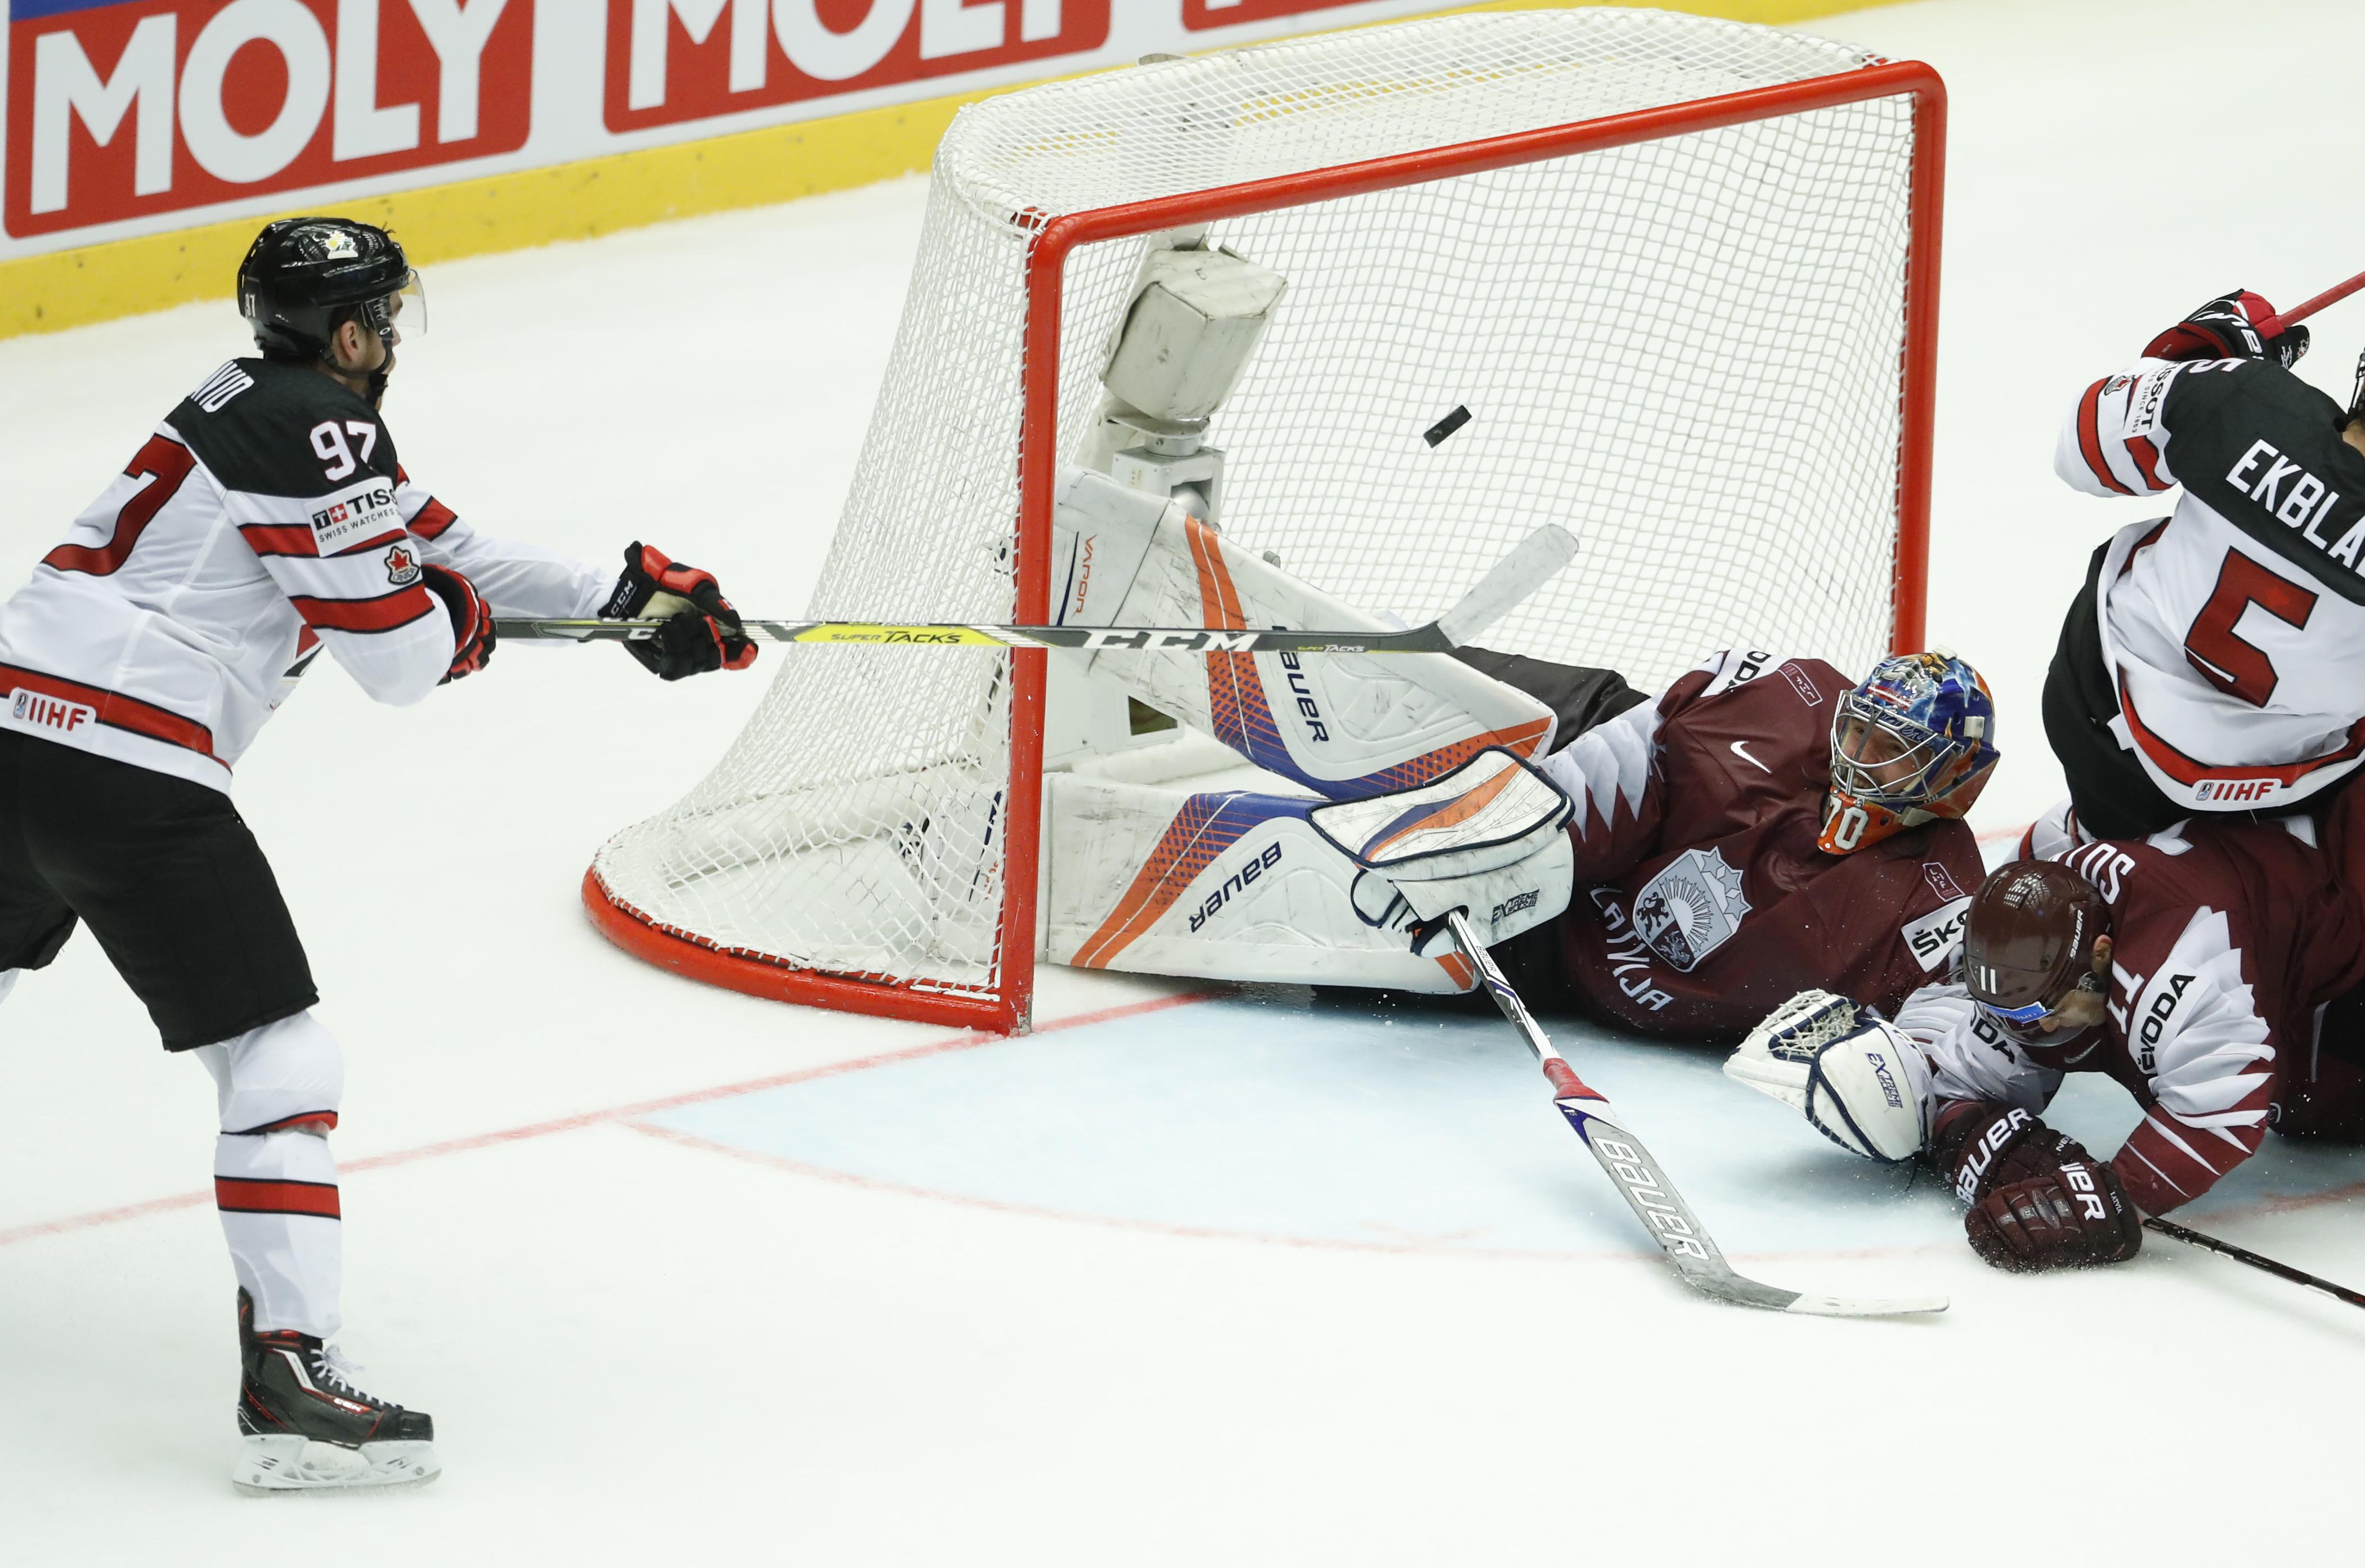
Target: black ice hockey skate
[306,1426]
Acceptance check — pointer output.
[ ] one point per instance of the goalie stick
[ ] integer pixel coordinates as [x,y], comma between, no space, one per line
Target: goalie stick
[1637,1176]
[1525,569]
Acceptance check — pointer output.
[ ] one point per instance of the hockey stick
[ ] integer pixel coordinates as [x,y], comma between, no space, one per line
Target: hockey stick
[1525,569]
[2174,1231]
[2306,308]
[1654,1198]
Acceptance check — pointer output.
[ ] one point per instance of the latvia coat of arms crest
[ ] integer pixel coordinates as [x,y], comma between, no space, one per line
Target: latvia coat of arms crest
[1691,908]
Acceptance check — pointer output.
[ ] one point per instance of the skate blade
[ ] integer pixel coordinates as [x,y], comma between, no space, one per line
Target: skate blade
[268,1466]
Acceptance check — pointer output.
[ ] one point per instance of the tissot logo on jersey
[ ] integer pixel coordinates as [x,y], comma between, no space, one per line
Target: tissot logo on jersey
[350,518]
[41,711]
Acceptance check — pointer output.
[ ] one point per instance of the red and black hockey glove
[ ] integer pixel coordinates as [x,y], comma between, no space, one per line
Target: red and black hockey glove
[2038,1199]
[701,632]
[472,620]
[2228,328]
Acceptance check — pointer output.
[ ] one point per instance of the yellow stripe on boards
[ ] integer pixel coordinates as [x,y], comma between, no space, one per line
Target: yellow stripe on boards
[582,200]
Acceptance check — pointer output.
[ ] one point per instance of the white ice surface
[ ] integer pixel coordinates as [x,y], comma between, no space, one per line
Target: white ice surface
[1233,1280]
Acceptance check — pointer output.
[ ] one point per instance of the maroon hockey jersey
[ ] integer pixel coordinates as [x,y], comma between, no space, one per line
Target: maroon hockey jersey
[2227,938]
[1701,901]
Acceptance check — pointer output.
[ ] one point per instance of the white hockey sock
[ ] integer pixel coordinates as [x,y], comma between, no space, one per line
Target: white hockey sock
[275,1178]
[278,1193]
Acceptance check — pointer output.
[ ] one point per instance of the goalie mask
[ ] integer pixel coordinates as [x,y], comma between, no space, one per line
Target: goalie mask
[2028,945]
[1913,741]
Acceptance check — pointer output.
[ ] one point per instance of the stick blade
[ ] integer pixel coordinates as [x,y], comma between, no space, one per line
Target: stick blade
[1868,1306]
[1716,1280]
[1538,559]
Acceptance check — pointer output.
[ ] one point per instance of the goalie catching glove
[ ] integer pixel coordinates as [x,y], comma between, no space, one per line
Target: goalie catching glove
[701,632]
[1860,1079]
[1488,838]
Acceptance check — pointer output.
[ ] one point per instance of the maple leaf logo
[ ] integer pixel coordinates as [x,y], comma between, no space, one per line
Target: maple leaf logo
[401,566]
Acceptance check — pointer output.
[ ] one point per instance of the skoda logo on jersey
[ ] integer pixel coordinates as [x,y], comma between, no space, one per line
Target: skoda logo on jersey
[401,566]
[1691,908]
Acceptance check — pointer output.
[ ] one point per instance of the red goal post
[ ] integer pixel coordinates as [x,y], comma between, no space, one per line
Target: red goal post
[1004,1005]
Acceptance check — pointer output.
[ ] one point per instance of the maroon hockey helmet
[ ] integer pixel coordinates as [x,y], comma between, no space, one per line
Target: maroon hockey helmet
[2028,942]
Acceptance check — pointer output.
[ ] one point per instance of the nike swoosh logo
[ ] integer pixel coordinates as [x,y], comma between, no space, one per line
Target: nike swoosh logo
[1740,749]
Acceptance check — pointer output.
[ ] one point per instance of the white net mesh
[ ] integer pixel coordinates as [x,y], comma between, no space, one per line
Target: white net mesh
[1686,351]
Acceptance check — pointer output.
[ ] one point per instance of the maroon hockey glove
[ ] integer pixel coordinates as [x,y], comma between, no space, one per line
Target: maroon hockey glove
[2226,328]
[701,632]
[2038,1199]
[472,620]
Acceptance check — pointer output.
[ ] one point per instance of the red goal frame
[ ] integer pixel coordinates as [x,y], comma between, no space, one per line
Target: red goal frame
[1010,1009]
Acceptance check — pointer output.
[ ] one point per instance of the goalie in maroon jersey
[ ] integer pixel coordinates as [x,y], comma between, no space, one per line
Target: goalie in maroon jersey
[1765,819]
[2211,970]
[1692,861]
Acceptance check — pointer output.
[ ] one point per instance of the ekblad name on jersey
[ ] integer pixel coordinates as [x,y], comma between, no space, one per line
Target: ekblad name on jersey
[2232,631]
[2227,938]
[1701,899]
[267,514]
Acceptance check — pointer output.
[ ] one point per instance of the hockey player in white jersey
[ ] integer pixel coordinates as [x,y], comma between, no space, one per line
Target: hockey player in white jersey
[2212,662]
[265,519]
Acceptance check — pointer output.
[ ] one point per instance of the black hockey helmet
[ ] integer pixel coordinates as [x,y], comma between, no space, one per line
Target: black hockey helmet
[303,277]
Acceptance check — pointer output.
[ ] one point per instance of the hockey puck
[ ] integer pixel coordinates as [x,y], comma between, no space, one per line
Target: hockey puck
[1445,427]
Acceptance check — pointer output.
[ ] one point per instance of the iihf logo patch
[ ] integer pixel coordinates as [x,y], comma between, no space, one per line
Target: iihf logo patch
[401,566]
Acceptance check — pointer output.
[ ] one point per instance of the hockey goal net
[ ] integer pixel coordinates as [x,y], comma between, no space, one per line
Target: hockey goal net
[1680,273]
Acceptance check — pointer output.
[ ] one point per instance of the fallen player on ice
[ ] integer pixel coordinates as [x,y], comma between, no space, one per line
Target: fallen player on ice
[1675,866]
[2212,970]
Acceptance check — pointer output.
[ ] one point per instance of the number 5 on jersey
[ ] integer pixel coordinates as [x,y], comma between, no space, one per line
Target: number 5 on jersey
[2227,661]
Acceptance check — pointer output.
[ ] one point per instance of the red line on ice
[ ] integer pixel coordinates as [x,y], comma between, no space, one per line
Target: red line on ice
[968,1040]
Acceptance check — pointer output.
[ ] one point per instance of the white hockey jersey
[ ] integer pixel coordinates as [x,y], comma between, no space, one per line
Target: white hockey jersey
[266,517]
[2234,632]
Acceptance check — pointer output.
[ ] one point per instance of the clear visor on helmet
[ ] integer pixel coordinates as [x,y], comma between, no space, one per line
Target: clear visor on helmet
[408,307]
[1882,757]
[2027,1022]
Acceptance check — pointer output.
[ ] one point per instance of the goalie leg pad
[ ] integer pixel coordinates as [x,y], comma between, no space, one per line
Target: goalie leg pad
[1225,885]
[1345,725]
